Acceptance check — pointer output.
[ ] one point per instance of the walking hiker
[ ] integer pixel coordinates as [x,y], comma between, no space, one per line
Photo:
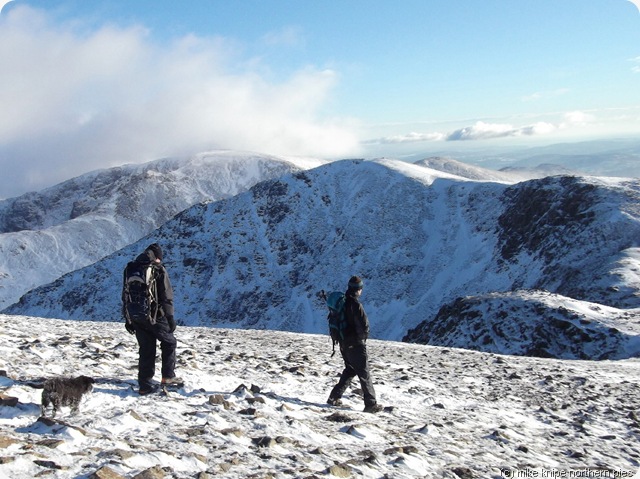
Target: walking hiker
[147,306]
[353,348]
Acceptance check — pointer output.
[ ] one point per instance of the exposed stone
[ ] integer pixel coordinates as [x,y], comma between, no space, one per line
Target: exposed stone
[106,472]
[218,399]
[264,441]
[51,443]
[463,472]
[338,417]
[233,430]
[48,464]
[9,401]
[6,441]
[340,470]
[155,472]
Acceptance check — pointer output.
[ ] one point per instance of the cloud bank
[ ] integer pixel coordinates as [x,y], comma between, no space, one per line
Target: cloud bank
[484,131]
[75,100]
[481,130]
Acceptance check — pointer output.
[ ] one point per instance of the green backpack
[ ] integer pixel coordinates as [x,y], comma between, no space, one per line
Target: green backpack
[337,321]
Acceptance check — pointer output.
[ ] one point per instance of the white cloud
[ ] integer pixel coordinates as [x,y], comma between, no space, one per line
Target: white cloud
[73,101]
[636,67]
[483,131]
[577,118]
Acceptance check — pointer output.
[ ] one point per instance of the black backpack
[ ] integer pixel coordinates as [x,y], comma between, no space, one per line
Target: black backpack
[139,293]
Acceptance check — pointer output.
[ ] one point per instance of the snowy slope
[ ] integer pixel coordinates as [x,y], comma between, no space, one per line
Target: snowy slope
[533,323]
[420,238]
[254,407]
[73,224]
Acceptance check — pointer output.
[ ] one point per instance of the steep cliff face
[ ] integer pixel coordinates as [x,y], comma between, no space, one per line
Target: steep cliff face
[420,238]
[577,232]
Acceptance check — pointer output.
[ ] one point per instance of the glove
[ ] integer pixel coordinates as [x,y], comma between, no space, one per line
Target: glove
[130,328]
[172,323]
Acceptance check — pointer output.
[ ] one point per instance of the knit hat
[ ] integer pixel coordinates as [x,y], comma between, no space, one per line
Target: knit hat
[355,283]
[156,250]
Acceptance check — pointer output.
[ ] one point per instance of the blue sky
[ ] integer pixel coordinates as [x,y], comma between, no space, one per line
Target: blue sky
[87,84]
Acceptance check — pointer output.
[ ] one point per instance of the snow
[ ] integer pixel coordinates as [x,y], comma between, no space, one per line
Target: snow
[47,234]
[253,405]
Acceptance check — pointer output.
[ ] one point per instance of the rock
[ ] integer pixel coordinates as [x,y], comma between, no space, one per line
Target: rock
[463,472]
[255,389]
[218,399]
[50,443]
[105,472]
[264,441]
[6,441]
[8,401]
[155,472]
[48,464]
[338,417]
[235,431]
[340,470]
[401,450]
[121,453]
[250,411]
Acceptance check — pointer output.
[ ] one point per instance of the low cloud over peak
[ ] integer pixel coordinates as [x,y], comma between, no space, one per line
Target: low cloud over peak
[75,100]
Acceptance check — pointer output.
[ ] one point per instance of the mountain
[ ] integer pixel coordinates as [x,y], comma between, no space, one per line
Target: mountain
[617,157]
[253,406]
[46,234]
[504,175]
[614,157]
[420,238]
[533,323]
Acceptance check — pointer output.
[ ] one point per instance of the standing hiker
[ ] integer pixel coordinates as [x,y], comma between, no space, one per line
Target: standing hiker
[353,348]
[147,306]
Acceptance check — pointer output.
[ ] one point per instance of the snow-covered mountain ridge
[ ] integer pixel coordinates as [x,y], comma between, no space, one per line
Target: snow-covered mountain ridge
[46,234]
[533,323]
[421,238]
[253,406]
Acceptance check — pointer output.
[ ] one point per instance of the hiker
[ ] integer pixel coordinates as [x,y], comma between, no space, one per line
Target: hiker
[353,348]
[158,326]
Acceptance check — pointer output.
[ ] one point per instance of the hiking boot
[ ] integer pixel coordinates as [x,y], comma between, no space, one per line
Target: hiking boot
[373,408]
[175,381]
[143,391]
[334,402]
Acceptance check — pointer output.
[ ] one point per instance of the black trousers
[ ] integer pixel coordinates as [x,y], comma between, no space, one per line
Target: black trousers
[356,364]
[147,336]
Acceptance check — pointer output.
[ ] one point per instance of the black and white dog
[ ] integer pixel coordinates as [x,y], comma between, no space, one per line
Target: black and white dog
[65,392]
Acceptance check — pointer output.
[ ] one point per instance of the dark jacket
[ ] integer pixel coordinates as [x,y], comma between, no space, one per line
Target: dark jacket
[357,321]
[165,291]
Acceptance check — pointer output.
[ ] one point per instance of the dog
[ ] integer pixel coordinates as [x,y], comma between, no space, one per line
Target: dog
[63,391]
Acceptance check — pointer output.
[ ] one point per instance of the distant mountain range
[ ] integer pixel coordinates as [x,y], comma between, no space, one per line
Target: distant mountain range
[422,238]
[617,157]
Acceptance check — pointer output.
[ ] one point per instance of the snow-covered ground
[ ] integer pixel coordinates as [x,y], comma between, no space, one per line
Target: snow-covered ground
[254,406]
